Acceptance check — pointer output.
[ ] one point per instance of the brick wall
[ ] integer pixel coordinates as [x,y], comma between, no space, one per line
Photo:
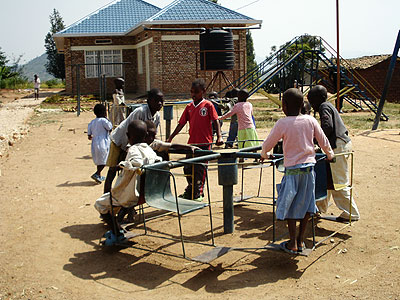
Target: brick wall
[172,64]
[376,76]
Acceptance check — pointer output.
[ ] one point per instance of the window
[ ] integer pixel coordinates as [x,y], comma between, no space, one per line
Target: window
[103,42]
[106,56]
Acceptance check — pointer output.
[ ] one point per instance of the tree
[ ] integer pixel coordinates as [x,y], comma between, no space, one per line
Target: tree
[55,62]
[293,71]
[6,71]
[251,56]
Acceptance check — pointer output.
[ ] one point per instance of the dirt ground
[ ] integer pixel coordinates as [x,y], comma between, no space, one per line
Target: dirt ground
[49,231]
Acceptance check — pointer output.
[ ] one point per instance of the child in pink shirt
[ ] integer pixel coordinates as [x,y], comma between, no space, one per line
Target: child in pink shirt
[247,134]
[296,193]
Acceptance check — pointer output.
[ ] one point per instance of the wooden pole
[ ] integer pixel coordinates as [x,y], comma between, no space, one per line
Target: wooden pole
[337,58]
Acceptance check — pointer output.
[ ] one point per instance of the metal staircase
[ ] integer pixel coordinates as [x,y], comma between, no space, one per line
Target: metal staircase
[310,66]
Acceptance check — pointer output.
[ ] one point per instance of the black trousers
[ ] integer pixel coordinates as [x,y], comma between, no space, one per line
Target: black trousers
[199,170]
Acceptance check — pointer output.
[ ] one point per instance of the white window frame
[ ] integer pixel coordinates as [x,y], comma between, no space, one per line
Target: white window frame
[111,56]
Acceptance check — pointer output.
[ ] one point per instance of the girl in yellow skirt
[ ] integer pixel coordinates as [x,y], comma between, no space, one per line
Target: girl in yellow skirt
[247,134]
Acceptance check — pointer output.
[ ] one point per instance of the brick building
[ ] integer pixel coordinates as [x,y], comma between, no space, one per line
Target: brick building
[165,57]
[374,69]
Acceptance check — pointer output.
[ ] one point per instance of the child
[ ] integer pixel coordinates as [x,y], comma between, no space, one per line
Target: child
[296,195]
[306,109]
[125,192]
[36,85]
[118,107]
[338,137]
[98,133]
[200,114]
[119,140]
[161,149]
[213,97]
[244,112]
[233,126]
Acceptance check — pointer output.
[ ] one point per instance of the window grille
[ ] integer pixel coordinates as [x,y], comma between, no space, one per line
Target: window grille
[106,56]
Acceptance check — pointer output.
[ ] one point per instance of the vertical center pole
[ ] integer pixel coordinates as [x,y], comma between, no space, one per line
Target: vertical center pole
[228,177]
[168,117]
[337,58]
[228,208]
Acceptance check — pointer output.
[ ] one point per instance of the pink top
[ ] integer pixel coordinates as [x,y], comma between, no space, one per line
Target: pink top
[298,133]
[244,111]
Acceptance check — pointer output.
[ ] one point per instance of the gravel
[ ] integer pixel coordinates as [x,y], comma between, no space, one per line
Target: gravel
[13,118]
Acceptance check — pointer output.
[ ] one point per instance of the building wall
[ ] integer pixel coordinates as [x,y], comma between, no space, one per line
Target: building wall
[376,76]
[170,64]
[177,61]
[91,85]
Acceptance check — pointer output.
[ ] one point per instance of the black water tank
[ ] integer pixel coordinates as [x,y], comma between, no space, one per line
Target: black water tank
[216,39]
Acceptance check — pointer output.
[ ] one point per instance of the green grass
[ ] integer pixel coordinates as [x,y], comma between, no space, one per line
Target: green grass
[363,120]
[39,119]
[60,99]
[267,113]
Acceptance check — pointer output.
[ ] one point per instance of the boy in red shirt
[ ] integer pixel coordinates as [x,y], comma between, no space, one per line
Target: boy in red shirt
[201,115]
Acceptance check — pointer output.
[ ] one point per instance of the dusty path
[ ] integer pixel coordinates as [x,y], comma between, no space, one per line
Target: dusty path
[49,232]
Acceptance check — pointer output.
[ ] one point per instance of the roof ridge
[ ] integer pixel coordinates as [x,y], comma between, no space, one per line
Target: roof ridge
[208,2]
[223,7]
[88,15]
[172,4]
[113,2]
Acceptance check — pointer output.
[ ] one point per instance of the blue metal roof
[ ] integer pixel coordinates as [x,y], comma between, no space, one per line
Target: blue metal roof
[122,15]
[117,17]
[181,10]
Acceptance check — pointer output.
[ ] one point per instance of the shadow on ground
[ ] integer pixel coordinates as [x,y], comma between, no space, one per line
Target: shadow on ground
[82,183]
[140,270]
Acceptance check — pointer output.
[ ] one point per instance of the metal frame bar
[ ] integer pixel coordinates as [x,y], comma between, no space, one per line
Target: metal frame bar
[182,240]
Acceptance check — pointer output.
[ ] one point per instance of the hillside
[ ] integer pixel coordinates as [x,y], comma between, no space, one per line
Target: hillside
[37,66]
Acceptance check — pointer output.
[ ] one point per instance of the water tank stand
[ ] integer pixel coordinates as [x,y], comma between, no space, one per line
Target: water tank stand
[218,77]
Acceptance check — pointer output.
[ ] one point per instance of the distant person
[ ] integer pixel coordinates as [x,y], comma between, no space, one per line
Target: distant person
[36,85]
[233,126]
[118,106]
[306,109]
[339,139]
[244,112]
[98,133]
[201,115]
[296,192]
[119,138]
[213,97]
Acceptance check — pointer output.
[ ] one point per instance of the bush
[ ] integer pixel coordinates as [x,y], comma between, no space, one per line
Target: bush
[16,82]
[54,83]
[51,83]
[55,98]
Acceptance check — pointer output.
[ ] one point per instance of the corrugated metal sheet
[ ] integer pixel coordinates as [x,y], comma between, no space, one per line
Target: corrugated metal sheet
[118,17]
[196,10]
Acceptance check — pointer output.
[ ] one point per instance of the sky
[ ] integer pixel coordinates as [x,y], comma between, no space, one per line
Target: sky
[366,27]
